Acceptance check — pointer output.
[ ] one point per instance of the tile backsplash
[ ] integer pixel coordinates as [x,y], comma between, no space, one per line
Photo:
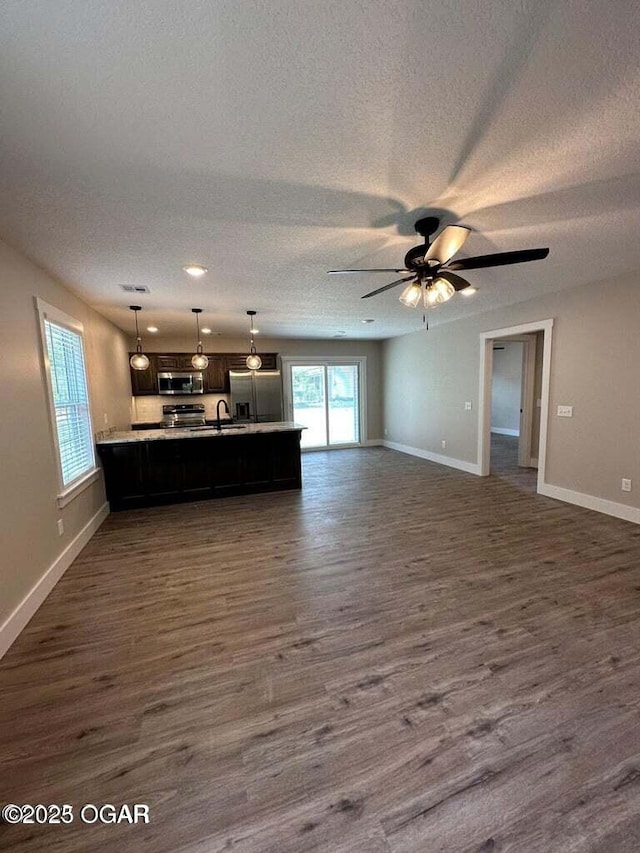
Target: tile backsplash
[149,409]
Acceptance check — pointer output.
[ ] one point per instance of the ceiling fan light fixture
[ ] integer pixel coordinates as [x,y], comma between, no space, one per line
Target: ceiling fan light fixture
[440,290]
[410,296]
[468,291]
[199,361]
[138,360]
[253,362]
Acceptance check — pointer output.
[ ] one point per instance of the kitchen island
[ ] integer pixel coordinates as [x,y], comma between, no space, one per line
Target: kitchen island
[160,466]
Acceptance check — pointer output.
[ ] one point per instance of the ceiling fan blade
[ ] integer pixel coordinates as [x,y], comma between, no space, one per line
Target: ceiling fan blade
[458,282]
[447,243]
[340,272]
[498,260]
[386,287]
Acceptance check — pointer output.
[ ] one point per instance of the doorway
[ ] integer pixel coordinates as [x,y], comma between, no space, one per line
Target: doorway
[516,363]
[327,397]
[515,368]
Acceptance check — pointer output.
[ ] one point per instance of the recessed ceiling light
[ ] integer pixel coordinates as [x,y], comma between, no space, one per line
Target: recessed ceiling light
[152,329]
[469,291]
[206,331]
[195,270]
[339,334]
[367,321]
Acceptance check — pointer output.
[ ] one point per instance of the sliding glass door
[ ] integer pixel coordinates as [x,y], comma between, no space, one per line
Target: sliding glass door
[325,398]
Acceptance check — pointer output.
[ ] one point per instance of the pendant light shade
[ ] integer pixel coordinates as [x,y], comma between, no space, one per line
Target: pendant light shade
[138,360]
[253,362]
[199,360]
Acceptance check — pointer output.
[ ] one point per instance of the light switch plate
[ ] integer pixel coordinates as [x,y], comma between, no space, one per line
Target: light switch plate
[626,485]
[467,406]
[565,411]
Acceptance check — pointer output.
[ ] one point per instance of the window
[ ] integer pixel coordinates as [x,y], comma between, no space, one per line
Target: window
[68,398]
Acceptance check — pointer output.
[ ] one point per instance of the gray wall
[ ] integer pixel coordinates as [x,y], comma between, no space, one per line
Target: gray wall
[595,367]
[28,507]
[506,386]
[284,347]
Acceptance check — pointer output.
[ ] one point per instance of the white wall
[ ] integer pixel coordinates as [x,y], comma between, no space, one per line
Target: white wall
[595,367]
[506,387]
[28,499]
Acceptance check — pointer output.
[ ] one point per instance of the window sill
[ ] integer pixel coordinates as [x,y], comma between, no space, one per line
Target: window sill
[65,497]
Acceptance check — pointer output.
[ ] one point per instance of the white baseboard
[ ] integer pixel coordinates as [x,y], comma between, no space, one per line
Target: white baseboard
[505,431]
[627,513]
[16,621]
[449,461]
[370,442]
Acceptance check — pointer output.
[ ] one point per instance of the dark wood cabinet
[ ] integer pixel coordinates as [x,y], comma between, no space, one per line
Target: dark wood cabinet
[216,376]
[125,473]
[147,473]
[174,361]
[238,360]
[144,382]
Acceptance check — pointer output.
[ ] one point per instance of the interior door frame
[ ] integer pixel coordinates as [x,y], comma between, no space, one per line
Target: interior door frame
[526,400]
[484,394]
[287,361]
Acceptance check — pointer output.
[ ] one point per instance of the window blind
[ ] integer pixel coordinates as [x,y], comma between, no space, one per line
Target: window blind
[70,401]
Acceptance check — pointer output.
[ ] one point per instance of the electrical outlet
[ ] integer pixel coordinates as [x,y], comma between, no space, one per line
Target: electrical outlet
[626,485]
[467,406]
[106,418]
[386,432]
[60,527]
[565,411]
[444,444]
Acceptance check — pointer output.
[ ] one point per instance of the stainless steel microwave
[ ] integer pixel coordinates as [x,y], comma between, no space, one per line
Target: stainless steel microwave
[180,383]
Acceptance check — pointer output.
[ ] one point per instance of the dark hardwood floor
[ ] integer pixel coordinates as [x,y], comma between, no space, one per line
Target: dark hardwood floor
[504,464]
[402,658]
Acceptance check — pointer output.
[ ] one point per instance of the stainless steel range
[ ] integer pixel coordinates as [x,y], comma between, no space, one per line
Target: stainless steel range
[183,415]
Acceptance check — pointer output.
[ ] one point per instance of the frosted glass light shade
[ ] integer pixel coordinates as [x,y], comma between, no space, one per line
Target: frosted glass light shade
[440,291]
[200,361]
[410,296]
[254,362]
[139,361]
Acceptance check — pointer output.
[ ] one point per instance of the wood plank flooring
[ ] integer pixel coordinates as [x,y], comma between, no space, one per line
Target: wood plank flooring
[402,658]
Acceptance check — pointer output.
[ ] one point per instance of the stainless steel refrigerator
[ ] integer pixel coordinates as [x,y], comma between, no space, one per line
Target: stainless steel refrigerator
[256,395]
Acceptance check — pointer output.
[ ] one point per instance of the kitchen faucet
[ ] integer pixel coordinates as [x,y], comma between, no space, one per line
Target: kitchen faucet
[218,421]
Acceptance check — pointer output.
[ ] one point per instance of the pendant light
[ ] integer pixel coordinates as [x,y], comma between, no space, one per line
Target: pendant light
[199,360]
[138,360]
[254,362]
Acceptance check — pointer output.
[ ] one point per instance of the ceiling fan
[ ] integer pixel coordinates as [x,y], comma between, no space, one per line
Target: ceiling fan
[432,274]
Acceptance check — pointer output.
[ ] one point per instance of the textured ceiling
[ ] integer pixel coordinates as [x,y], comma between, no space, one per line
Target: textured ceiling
[272,141]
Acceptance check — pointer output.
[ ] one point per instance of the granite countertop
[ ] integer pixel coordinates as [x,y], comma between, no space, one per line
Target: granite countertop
[127,436]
